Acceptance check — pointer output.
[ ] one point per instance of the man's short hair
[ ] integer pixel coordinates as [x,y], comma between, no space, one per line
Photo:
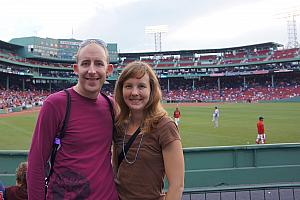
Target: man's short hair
[99,42]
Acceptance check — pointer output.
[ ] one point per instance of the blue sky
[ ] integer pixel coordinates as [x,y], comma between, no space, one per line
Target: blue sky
[192,24]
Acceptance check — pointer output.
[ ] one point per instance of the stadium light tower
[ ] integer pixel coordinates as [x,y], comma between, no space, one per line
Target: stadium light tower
[291,26]
[157,31]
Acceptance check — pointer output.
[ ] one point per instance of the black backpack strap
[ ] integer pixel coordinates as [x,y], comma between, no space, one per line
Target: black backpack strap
[57,140]
[67,115]
[112,112]
[127,146]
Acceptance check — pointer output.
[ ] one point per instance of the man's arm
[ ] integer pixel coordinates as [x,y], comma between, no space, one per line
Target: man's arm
[42,141]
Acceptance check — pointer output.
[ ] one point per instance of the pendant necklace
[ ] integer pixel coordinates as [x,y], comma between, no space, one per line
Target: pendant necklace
[137,151]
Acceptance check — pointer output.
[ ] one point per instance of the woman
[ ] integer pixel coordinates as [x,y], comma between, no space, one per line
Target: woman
[157,149]
[19,191]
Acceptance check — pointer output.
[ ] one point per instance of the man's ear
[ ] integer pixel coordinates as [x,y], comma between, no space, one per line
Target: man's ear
[75,68]
[109,69]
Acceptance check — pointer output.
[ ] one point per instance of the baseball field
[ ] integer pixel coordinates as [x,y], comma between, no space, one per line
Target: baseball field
[237,125]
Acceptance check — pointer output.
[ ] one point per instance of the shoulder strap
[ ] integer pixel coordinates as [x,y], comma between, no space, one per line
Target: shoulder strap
[127,146]
[67,115]
[56,144]
[111,108]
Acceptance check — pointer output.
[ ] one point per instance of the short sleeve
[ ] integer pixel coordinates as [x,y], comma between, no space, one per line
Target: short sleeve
[168,132]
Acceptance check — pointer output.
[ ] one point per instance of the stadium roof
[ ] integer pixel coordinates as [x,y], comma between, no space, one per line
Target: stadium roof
[9,46]
[203,51]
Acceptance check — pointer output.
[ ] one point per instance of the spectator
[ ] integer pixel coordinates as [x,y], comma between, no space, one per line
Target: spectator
[19,191]
[1,191]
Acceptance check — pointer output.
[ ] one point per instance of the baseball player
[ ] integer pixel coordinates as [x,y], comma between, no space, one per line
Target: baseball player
[177,116]
[261,136]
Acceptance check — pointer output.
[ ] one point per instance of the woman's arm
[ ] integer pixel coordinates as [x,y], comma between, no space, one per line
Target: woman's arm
[174,167]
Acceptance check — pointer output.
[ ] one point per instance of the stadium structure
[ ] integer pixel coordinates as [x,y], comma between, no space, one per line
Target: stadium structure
[258,72]
[31,68]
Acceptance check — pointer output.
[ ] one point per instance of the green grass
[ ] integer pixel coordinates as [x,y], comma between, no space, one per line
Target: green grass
[237,125]
[16,131]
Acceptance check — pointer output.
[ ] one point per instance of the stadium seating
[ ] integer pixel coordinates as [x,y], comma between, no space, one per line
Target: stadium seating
[184,76]
[253,92]
[207,60]
[285,54]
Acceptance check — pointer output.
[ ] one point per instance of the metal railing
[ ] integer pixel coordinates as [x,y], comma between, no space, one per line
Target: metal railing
[255,192]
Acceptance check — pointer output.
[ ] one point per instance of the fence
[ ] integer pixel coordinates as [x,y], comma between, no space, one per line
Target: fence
[250,172]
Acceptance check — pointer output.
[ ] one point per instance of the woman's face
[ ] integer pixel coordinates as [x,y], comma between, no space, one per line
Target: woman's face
[136,93]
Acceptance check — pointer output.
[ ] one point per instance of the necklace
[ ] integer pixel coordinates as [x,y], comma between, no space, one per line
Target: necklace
[137,151]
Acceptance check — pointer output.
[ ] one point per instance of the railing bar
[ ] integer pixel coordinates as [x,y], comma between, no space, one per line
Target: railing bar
[266,193]
[250,194]
[293,193]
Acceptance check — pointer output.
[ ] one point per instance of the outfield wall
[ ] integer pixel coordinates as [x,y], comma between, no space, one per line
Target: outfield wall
[9,161]
[208,168]
[232,166]
[293,99]
[10,110]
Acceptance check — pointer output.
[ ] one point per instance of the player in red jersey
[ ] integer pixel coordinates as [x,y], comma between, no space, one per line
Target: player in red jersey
[177,116]
[261,136]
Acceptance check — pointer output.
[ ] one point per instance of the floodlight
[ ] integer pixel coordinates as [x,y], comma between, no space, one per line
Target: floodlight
[157,32]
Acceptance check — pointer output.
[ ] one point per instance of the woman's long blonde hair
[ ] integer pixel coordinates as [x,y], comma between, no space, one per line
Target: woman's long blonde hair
[153,110]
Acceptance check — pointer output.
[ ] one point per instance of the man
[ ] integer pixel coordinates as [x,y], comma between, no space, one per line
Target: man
[261,136]
[177,116]
[82,166]
[216,115]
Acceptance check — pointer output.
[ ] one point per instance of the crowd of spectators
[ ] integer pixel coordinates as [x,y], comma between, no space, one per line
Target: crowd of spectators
[173,61]
[9,55]
[25,99]
[241,94]
[221,58]
[206,90]
[233,90]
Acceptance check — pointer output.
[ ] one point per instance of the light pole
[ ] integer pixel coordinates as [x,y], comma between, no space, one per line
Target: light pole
[291,15]
[157,31]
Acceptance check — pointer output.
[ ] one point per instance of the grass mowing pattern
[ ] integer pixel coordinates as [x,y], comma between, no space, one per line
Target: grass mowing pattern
[237,125]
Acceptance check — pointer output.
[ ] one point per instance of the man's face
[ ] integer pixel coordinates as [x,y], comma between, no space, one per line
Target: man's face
[92,69]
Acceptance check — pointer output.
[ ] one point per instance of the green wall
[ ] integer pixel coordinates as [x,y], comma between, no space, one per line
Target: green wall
[213,167]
